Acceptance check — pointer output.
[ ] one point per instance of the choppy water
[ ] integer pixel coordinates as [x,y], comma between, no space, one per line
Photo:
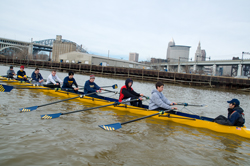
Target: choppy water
[76,139]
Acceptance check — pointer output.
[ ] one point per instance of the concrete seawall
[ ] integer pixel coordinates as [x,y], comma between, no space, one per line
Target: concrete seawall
[139,74]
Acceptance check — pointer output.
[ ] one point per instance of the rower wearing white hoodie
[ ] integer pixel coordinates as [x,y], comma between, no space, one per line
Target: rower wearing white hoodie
[53,80]
[158,101]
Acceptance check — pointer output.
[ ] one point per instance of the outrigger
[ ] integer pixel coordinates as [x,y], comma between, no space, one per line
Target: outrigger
[170,115]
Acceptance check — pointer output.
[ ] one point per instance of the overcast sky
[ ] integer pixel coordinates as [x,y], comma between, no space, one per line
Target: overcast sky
[142,26]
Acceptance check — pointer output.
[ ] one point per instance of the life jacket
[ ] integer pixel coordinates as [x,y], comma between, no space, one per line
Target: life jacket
[121,94]
[241,120]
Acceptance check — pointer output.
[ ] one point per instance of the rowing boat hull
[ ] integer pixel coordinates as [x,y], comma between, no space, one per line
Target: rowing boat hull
[176,116]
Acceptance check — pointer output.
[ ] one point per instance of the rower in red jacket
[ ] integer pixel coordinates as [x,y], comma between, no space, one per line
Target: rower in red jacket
[127,93]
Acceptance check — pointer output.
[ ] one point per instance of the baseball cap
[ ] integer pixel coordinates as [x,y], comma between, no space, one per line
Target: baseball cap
[234,102]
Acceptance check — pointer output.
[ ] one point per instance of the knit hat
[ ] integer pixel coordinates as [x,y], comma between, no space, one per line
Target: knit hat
[92,76]
[22,67]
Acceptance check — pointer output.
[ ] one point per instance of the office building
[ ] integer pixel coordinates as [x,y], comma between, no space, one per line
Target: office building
[134,57]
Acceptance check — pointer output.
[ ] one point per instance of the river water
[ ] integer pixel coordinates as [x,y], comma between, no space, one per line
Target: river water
[76,139]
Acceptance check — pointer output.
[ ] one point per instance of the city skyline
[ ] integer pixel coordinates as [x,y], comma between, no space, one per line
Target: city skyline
[144,27]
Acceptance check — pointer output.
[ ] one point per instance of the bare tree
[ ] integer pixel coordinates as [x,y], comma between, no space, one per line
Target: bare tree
[21,54]
[186,69]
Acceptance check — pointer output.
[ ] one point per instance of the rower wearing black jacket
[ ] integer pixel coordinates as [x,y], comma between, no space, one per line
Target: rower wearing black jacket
[127,93]
[69,81]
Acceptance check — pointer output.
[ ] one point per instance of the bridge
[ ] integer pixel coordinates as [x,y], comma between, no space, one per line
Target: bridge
[33,47]
[239,67]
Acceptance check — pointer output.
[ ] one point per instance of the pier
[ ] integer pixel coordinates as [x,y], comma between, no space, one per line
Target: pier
[138,74]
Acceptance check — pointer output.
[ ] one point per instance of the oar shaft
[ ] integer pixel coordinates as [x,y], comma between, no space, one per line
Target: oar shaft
[67,99]
[115,103]
[58,101]
[161,112]
[139,118]
[186,104]
[106,86]
[87,109]
[36,88]
[111,91]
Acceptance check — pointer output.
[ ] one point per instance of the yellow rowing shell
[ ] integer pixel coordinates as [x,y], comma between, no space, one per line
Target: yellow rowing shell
[187,120]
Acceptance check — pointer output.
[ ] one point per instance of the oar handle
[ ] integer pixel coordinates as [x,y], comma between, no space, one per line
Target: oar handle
[185,104]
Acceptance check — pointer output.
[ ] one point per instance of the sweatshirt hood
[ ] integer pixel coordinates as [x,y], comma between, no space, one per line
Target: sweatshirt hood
[238,109]
[155,91]
[128,80]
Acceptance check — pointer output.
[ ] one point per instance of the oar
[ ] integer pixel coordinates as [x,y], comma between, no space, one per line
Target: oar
[5,88]
[115,86]
[115,126]
[52,116]
[119,93]
[186,104]
[28,109]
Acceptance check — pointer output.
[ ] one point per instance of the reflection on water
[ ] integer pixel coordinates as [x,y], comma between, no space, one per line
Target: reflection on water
[76,139]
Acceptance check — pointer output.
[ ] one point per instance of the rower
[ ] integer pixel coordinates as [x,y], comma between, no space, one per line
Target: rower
[53,80]
[21,74]
[90,86]
[158,101]
[235,115]
[11,72]
[37,78]
[69,81]
[127,93]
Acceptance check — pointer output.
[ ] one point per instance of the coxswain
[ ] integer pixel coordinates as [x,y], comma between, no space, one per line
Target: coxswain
[53,80]
[90,86]
[127,93]
[235,115]
[69,81]
[11,73]
[158,101]
[37,78]
[21,74]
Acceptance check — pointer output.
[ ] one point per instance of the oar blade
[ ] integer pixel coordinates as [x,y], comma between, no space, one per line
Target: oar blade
[5,88]
[110,127]
[51,116]
[115,86]
[28,109]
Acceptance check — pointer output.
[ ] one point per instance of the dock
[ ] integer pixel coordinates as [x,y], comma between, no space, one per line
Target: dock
[138,74]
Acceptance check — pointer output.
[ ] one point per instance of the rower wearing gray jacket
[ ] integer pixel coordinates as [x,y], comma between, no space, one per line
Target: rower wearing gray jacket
[158,101]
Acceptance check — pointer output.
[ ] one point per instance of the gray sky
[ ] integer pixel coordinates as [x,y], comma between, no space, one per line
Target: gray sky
[142,26]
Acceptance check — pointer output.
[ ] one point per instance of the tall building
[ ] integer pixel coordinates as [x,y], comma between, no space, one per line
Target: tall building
[60,47]
[203,55]
[133,57]
[177,52]
[200,55]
